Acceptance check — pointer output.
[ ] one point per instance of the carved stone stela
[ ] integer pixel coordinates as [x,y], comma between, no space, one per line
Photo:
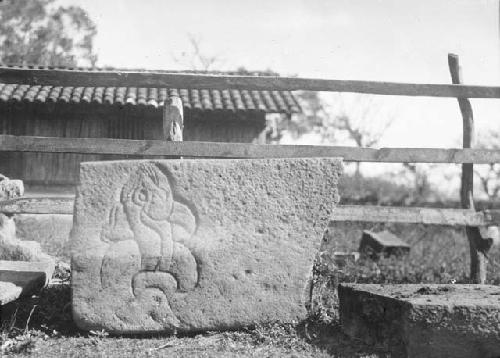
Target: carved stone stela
[192,245]
[150,219]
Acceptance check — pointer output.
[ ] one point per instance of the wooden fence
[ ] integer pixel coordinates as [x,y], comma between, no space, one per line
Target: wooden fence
[173,145]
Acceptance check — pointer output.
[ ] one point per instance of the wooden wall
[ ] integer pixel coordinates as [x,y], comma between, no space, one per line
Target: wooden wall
[225,127]
[104,121]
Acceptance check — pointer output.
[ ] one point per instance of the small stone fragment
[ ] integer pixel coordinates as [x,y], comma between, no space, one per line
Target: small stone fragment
[9,292]
[10,188]
[11,248]
[417,320]
[342,259]
[382,243]
[194,245]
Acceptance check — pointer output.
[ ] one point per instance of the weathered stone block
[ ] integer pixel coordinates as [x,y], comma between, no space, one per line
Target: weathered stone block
[424,320]
[29,277]
[10,188]
[382,243]
[191,245]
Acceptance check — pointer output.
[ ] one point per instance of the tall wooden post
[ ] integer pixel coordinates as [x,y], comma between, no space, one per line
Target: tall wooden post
[173,119]
[478,246]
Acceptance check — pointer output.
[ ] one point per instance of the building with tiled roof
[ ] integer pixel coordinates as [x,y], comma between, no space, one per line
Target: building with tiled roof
[129,113]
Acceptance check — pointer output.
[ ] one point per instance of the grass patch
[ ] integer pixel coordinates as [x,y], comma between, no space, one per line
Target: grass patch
[42,326]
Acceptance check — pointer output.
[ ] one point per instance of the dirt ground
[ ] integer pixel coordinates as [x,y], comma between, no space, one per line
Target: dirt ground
[41,326]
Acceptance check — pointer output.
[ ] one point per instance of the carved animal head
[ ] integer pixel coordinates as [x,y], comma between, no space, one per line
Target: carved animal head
[148,193]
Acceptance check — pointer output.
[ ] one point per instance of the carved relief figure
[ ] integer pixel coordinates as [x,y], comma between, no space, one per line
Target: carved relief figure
[152,216]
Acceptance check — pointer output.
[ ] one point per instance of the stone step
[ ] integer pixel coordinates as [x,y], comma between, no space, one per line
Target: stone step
[23,278]
[417,320]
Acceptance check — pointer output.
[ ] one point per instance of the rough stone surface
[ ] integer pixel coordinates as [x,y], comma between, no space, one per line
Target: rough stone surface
[51,231]
[12,248]
[192,245]
[424,320]
[10,188]
[29,276]
[382,243]
[9,292]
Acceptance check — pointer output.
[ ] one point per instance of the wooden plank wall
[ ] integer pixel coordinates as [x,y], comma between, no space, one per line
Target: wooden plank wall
[60,121]
[94,121]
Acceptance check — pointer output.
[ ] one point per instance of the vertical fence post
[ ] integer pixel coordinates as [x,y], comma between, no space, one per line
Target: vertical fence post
[173,119]
[478,246]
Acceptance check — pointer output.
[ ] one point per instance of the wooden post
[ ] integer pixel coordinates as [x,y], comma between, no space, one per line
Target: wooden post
[478,246]
[173,119]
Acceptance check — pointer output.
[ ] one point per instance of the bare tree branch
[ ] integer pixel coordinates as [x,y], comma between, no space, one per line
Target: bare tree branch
[196,58]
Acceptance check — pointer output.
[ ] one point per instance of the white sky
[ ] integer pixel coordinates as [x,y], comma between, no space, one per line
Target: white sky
[383,40]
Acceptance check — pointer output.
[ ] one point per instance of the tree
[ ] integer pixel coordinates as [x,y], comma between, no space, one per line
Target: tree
[419,180]
[197,58]
[489,175]
[360,120]
[37,32]
[343,119]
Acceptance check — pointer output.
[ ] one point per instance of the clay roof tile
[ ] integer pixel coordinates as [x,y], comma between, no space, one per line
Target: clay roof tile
[203,100]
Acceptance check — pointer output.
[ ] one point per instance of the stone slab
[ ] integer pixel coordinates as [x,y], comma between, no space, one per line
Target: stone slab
[424,320]
[29,276]
[193,245]
[384,242]
[9,292]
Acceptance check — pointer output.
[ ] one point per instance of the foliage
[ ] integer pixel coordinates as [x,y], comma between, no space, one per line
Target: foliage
[37,32]
[420,189]
[384,190]
[346,119]
[489,175]
[310,121]
[438,254]
[42,325]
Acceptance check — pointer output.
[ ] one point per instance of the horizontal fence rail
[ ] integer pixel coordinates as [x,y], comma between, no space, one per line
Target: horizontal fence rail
[412,215]
[375,214]
[467,216]
[40,205]
[243,150]
[79,78]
